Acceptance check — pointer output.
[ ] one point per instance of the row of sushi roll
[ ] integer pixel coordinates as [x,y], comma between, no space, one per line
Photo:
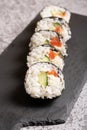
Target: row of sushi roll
[45,61]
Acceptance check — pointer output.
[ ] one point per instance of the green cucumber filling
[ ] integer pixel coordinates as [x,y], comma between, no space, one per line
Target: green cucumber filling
[45,59]
[54,12]
[46,41]
[43,79]
[56,24]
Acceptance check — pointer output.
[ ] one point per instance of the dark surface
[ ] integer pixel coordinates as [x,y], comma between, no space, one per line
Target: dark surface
[17,109]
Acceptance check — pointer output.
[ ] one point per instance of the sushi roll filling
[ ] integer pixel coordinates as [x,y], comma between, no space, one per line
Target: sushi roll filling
[51,55]
[43,77]
[58,13]
[54,42]
[58,27]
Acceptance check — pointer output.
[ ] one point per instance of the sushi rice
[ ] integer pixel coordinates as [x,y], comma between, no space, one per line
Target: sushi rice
[45,61]
[45,54]
[55,24]
[56,11]
[44,80]
[48,38]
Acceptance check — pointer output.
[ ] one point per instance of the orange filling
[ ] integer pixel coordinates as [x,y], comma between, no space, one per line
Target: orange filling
[52,54]
[53,72]
[58,29]
[55,42]
[62,14]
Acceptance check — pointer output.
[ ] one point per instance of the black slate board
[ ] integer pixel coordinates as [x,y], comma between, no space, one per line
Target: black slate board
[17,109]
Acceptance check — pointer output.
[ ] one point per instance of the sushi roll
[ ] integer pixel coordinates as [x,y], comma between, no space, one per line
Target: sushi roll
[45,54]
[56,11]
[44,80]
[48,38]
[55,24]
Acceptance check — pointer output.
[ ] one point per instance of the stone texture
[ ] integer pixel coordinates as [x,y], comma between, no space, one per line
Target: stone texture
[15,15]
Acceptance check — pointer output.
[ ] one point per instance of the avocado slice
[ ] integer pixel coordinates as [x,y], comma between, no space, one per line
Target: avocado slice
[46,41]
[45,59]
[56,24]
[43,79]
